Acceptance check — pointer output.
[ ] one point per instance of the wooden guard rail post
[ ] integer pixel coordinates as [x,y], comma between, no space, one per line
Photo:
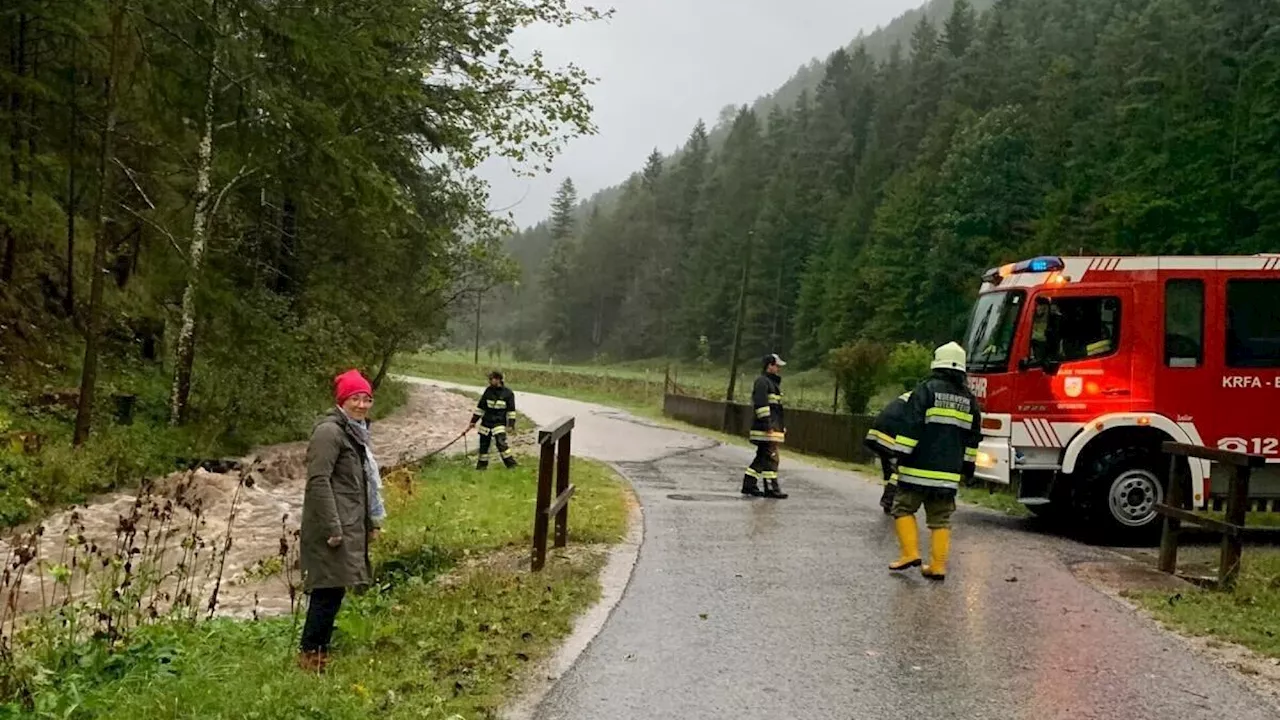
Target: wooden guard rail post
[1178,509]
[554,461]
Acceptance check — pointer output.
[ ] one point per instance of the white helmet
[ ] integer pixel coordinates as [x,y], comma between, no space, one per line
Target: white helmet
[949,357]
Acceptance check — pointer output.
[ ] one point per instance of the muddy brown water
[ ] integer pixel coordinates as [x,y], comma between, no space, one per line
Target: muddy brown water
[267,509]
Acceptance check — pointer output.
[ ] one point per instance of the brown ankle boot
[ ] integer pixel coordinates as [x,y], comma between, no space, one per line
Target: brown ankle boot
[312,661]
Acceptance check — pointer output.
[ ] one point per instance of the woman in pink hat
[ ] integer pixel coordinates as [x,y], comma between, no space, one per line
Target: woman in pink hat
[341,512]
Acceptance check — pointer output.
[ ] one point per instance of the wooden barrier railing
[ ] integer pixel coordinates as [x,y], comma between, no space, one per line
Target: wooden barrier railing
[555,440]
[1177,510]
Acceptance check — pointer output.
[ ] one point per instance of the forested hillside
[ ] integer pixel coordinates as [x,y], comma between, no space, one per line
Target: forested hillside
[208,207]
[868,208]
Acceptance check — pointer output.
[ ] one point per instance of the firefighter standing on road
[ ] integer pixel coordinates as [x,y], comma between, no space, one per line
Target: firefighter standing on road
[496,412]
[938,447]
[882,440]
[768,431]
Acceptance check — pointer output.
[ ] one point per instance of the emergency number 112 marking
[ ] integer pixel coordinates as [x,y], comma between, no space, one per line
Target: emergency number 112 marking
[1256,446]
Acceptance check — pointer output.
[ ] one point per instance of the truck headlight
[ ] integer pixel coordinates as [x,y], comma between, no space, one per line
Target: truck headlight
[985,460]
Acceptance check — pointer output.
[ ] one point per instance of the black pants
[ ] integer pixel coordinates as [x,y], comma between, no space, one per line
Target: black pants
[765,464]
[889,469]
[498,435]
[322,611]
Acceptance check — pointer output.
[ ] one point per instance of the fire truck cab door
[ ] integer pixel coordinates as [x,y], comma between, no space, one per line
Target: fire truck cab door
[1074,366]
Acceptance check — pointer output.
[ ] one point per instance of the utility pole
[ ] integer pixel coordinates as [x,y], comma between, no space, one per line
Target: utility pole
[737,328]
[479,298]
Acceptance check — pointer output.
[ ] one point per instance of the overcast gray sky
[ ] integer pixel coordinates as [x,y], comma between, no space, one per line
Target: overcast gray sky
[663,64]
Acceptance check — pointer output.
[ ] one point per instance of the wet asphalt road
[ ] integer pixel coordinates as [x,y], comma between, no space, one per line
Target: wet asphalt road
[784,609]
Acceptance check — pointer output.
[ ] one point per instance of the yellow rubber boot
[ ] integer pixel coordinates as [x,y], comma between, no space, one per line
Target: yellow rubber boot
[909,541]
[940,541]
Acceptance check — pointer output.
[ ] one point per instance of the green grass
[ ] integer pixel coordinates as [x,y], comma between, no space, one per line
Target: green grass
[1249,615]
[635,385]
[453,625]
[1251,519]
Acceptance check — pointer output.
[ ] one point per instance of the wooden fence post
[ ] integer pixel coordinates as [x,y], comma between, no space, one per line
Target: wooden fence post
[555,441]
[546,465]
[1233,542]
[1172,525]
[562,485]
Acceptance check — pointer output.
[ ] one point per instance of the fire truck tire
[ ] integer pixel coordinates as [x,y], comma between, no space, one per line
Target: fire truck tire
[1123,488]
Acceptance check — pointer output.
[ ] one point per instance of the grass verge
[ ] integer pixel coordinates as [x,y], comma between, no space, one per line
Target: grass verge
[639,384]
[448,631]
[1249,615]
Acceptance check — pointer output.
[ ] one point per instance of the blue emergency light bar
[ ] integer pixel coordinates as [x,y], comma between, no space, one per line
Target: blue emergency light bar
[1034,265]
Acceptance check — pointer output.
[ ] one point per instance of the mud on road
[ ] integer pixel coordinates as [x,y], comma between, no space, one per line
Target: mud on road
[198,505]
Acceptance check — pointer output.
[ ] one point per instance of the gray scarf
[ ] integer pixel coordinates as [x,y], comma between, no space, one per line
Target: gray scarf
[372,475]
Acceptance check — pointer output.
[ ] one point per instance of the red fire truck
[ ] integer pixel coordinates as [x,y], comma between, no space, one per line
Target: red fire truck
[1084,366]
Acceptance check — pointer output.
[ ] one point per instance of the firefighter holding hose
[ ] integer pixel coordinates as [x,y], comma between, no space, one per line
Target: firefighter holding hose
[496,412]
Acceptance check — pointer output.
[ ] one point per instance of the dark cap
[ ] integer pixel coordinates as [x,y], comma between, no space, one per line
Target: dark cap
[772,359]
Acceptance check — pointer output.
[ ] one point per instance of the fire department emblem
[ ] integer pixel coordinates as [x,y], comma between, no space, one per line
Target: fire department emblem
[1074,386]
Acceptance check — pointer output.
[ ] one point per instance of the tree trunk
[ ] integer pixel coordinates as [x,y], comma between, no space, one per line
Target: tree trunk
[597,323]
[737,329]
[69,299]
[777,304]
[18,60]
[89,374]
[479,300]
[384,366]
[285,268]
[186,354]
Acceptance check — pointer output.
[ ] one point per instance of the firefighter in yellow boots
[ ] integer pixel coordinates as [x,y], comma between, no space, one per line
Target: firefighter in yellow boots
[881,440]
[937,448]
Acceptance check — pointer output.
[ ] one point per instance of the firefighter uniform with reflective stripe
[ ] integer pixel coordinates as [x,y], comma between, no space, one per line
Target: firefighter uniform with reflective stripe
[938,447]
[495,412]
[768,431]
[881,440]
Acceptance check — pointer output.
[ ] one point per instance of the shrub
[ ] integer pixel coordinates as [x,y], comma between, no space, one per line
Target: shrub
[859,368]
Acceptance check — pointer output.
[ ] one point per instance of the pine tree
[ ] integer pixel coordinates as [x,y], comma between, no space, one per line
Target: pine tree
[563,207]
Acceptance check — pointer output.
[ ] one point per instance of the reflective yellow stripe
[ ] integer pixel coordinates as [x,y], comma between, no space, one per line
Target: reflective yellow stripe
[905,396]
[906,442]
[884,438]
[971,453]
[484,430]
[752,473]
[507,453]
[497,404]
[775,398]
[500,430]
[930,474]
[949,413]
[1097,347]
[762,412]
[768,475]
[930,478]
[768,436]
[893,479]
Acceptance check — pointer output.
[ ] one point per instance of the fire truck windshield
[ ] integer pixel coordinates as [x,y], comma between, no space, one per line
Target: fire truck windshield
[989,340]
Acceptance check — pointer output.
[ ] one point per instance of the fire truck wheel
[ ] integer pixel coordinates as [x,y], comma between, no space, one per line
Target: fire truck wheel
[1125,486]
